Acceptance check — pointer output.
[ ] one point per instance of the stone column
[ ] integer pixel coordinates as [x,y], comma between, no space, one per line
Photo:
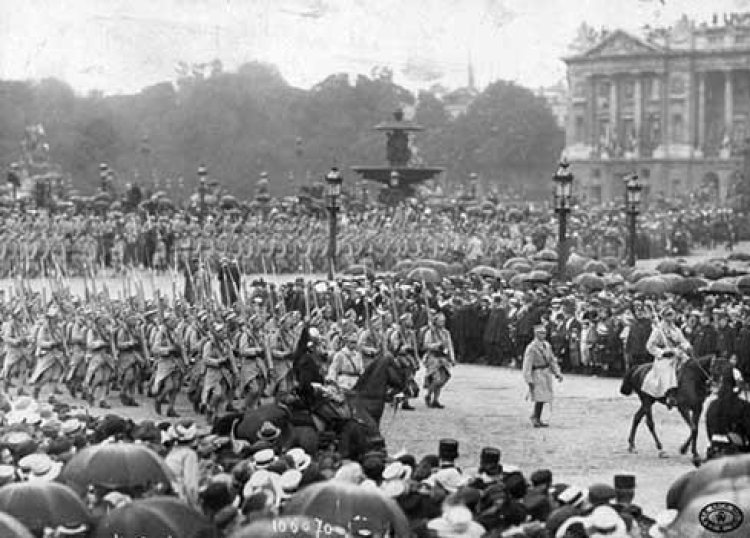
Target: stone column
[638,111]
[592,123]
[728,102]
[613,108]
[701,111]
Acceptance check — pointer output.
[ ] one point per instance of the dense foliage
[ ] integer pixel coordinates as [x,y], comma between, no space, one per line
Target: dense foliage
[251,120]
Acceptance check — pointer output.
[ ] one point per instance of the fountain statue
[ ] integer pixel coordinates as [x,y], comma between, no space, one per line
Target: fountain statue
[399,176]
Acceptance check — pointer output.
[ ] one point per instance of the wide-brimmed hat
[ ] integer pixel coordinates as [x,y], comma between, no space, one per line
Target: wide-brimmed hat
[301,459]
[264,458]
[290,481]
[183,432]
[40,467]
[450,479]
[268,432]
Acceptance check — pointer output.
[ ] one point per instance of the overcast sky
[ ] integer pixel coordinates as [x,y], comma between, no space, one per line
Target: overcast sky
[123,45]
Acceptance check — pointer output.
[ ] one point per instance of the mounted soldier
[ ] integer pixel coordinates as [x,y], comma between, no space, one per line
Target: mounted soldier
[670,349]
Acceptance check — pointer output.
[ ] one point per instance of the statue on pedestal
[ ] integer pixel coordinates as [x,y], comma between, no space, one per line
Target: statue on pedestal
[398,150]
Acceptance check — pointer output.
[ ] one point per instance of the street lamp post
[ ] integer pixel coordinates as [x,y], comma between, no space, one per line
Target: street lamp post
[333,191]
[563,179]
[202,173]
[103,175]
[633,190]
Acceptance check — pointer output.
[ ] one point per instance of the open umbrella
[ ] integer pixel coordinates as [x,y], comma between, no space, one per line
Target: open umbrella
[358,270]
[437,265]
[610,261]
[486,271]
[126,467]
[507,274]
[513,261]
[520,267]
[739,256]
[428,274]
[687,286]
[743,284]
[669,266]
[638,274]
[613,279]
[39,505]
[546,255]
[538,276]
[721,511]
[576,265]
[228,202]
[155,517]
[708,270]
[10,527]
[725,286]
[589,281]
[550,267]
[711,477]
[455,269]
[404,265]
[355,508]
[595,266]
[518,281]
[652,285]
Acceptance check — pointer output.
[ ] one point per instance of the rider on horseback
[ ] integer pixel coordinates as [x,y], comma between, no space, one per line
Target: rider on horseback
[669,348]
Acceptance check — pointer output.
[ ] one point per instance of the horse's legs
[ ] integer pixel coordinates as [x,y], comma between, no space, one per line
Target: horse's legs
[634,427]
[652,426]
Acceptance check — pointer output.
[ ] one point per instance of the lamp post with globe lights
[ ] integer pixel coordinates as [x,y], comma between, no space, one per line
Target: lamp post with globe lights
[333,192]
[633,189]
[202,187]
[563,180]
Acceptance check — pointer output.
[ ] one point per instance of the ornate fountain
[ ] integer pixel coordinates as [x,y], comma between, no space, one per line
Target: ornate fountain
[399,176]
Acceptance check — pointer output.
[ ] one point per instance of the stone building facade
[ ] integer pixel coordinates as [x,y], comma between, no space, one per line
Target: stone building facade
[672,106]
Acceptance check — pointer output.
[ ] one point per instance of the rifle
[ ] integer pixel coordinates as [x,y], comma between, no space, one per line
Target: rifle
[182,362]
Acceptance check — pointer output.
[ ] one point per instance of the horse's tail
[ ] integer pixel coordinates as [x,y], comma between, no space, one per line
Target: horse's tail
[627,388]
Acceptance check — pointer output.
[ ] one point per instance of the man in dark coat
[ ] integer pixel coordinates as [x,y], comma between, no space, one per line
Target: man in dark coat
[704,337]
[229,282]
[638,335]
[497,343]
[307,366]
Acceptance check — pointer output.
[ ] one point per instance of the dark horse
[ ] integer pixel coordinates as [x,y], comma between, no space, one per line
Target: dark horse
[692,390]
[728,421]
[355,421]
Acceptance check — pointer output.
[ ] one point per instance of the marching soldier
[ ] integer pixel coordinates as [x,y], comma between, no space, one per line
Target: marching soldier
[217,383]
[49,352]
[129,360]
[100,366]
[402,343]
[255,366]
[16,351]
[76,371]
[284,343]
[169,370]
[439,358]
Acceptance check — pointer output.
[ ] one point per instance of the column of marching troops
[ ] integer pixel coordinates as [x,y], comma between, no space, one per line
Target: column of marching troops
[215,354]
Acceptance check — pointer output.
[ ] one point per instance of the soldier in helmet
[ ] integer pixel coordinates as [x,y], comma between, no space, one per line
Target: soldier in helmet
[49,352]
[17,360]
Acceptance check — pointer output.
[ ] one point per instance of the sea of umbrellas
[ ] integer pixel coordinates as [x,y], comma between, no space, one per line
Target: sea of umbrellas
[730,275]
[65,473]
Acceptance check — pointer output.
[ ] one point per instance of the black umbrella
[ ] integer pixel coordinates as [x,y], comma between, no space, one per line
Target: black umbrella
[155,517]
[40,505]
[354,508]
[116,466]
[10,527]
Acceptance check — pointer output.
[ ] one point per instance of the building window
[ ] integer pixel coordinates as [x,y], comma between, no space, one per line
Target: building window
[655,89]
[645,173]
[579,90]
[579,134]
[677,85]
[597,173]
[604,89]
[678,128]
[629,90]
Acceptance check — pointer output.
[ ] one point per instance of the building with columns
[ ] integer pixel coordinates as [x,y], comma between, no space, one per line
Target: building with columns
[672,105]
